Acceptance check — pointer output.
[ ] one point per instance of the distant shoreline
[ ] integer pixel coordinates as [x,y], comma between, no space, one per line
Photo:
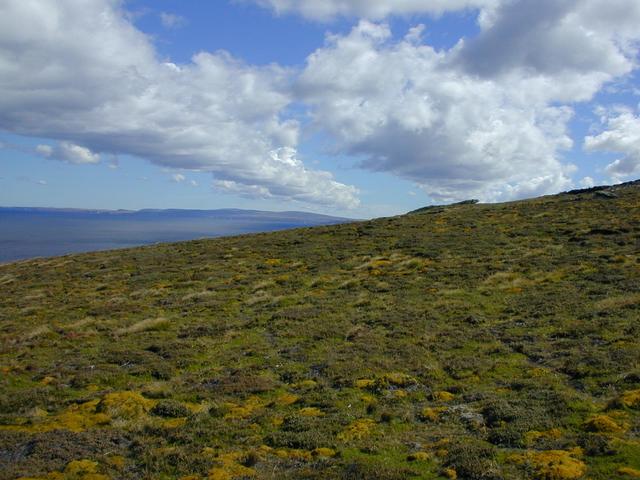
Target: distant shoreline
[27,233]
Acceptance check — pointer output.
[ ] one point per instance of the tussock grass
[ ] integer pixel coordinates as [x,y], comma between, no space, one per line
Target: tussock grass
[148,325]
[620,301]
[36,332]
[198,296]
[259,297]
[82,324]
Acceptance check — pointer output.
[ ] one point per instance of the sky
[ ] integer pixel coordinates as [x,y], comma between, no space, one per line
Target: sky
[358,108]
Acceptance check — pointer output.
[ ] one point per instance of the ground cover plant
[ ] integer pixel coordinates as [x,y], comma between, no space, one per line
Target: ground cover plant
[469,341]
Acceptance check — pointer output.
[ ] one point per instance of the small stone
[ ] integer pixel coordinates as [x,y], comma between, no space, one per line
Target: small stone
[606,194]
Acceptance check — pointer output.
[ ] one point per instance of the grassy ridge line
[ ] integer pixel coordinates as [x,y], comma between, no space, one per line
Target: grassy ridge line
[477,341]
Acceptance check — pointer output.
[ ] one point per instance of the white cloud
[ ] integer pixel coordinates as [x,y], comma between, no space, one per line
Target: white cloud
[567,38]
[69,153]
[404,110]
[621,135]
[83,74]
[285,168]
[372,9]
[487,119]
[456,127]
[178,178]
[44,150]
[171,20]
[587,182]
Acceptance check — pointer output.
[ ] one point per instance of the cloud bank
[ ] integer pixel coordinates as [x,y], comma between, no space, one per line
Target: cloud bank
[82,74]
[371,9]
[487,118]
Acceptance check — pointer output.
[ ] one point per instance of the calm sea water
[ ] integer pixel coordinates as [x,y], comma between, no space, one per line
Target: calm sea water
[28,233]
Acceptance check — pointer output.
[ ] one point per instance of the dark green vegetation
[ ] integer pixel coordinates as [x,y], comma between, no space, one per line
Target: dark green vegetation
[470,341]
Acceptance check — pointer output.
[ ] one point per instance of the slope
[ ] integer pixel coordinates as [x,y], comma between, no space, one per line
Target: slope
[470,341]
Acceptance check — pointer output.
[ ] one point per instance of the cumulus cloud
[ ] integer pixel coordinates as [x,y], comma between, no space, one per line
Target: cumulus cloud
[587,182]
[178,178]
[404,110]
[84,75]
[486,119]
[620,135]
[285,162]
[69,153]
[556,37]
[371,9]
[452,124]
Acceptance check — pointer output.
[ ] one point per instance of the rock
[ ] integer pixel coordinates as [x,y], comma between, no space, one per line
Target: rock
[606,194]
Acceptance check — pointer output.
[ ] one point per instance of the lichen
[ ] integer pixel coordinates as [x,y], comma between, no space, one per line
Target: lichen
[294,454]
[450,473]
[364,383]
[553,464]
[324,452]
[631,399]
[79,467]
[399,379]
[230,467]
[400,394]
[444,396]
[629,472]
[357,430]
[534,435]
[603,424]
[287,399]
[418,457]
[125,405]
[237,412]
[311,412]
[432,414]
[307,385]
[76,418]
[75,470]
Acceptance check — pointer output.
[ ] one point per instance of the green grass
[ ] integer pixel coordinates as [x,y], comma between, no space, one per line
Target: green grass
[314,353]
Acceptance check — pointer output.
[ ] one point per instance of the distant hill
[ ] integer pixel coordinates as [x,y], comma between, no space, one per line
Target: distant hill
[44,232]
[469,341]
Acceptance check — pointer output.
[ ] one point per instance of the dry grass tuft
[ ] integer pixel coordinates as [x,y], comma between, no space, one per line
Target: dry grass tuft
[148,325]
[622,301]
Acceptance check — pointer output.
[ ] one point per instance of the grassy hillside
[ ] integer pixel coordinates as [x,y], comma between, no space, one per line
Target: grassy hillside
[470,341]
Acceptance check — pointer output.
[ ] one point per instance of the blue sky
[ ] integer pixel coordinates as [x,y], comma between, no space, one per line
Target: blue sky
[350,108]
